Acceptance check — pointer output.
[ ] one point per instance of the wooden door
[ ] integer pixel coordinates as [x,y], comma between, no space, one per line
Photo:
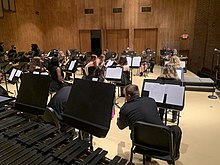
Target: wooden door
[117,40]
[145,38]
[85,40]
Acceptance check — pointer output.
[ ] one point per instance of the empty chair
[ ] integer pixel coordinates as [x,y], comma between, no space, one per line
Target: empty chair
[154,141]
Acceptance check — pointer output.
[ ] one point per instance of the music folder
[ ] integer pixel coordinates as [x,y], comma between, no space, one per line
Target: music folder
[89,106]
[168,96]
[113,74]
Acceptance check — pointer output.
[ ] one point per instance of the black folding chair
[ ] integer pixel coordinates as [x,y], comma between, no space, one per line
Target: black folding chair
[153,141]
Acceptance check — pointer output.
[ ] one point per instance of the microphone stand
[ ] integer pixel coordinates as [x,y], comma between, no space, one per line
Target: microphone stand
[212,96]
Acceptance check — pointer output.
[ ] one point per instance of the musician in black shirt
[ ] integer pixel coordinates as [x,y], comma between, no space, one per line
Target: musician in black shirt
[145,110]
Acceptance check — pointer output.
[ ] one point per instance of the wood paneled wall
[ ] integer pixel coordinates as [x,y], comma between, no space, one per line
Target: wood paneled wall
[207,35]
[57,24]
[117,40]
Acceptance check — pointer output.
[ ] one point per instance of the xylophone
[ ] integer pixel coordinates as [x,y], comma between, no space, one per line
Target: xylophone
[26,141]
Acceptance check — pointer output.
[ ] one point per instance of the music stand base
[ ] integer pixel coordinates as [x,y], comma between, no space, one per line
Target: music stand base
[212,97]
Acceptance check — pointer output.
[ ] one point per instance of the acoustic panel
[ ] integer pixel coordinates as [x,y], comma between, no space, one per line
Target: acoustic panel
[5,4]
[1,9]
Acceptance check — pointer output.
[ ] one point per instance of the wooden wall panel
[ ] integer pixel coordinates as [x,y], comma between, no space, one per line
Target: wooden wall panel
[145,38]
[111,40]
[123,42]
[57,23]
[1,9]
[117,40]
[85,40]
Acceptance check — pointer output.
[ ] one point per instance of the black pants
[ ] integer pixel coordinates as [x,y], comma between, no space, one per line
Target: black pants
[161,112]
[177,135]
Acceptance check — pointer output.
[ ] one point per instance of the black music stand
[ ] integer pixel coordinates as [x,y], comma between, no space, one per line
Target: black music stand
[114,75]
[33,94]
[14,77]
[133,62]
[72,67]
[89,107]
[167,96]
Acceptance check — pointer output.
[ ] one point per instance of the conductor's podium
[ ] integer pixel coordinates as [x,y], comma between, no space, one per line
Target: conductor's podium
[199,84]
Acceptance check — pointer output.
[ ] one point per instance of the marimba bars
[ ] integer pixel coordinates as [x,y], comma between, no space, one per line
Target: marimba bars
[24,141]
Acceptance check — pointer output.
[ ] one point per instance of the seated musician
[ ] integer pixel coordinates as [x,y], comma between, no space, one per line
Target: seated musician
[12,50]
[56,73]
[125,79]
[143,109]
[144,62]
[169,75]
[36,65]
[151,59]
[174,59]
[165,54]
[100,69]
[90,67]
[147,61]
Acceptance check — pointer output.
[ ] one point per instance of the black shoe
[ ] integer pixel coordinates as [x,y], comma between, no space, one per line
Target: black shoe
[151,71]
[173,120]
[141,74]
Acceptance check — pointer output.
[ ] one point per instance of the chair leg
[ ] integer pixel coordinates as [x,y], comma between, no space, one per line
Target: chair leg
[144,157]
[131,156]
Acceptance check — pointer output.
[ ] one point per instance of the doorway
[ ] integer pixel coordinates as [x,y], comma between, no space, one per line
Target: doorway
[96,42]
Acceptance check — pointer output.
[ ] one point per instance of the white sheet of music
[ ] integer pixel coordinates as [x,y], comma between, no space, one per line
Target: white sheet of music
[156,91]
[113,73]
[175,94]
[12,74]
[72,64]
[129,61]
[94,79]
[34,72]
[136,61]
[44,73]
[109,63]
[179,73]
[18,73]
[182,64]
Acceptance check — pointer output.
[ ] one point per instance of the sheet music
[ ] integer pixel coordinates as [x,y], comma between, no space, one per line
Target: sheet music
[175,94]
[129,60]
[12,74]
[94,79]
[44,73]
[156,91]
[113,73]
[182,64]
[72,64]
[109,63]
[136,61]
[34,72]
[179,73]
[18,73]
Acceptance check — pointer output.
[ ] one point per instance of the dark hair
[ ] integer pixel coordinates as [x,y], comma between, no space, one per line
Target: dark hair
[123,60]
[132,90]
[54,61]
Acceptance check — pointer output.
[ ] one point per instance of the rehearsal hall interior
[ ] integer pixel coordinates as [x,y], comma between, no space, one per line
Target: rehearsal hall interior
[100,82]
